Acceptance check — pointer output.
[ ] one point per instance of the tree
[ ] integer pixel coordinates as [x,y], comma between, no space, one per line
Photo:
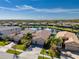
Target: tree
[6,38]
[55,42]
[26,40]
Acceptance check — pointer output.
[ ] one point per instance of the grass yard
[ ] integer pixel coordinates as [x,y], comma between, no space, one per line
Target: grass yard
[64,29]
[40,57]
[20,46]
[48,53]
[44,52]
[3,43]
[13,52]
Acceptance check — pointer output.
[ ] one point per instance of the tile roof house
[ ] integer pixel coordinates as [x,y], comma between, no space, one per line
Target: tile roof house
[72,42]
[39,37]
[18,37]
[9,29]
[27,30]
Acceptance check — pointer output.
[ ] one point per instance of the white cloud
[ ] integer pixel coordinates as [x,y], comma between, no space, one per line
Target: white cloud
[53,10]
[6,8]
[25,7]
[7,1]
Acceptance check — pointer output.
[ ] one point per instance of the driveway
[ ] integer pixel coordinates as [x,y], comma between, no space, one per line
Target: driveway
[4,55]
[5,48]
[31,53]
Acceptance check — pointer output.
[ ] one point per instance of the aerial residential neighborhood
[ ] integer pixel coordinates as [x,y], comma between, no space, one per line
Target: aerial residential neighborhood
[39,41]
[39,29]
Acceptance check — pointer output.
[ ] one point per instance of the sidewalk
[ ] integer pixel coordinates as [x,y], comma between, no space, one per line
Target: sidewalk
[33,54]
[69,55]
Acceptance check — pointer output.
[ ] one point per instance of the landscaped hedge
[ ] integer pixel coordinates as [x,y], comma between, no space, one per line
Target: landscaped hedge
[41,57]
[3,43]
[20,47]
[13,52]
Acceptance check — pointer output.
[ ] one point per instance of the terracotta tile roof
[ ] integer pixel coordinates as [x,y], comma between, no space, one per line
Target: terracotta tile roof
[42,34]
[71,36]
[27,31]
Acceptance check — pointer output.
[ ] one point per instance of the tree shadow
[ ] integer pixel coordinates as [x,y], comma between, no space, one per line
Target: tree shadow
[66,56]
[15,56]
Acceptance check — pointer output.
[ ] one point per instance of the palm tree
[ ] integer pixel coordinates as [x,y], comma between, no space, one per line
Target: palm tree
[55,43]
[26,40]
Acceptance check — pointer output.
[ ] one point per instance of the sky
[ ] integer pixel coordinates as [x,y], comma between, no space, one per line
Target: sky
[39,9]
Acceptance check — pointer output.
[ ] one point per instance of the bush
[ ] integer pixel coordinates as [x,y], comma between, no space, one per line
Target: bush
[44,52]
[3,43]
[13,52]
[50,53]
[40,57]
[20,46]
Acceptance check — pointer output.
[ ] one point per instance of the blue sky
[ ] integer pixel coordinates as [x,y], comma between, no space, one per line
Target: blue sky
[39,9]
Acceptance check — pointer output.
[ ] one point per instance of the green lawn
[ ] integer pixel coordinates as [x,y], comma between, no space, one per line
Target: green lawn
[13,52]
[62,28]
[3,43]
[40,57]
[44,52]
[19,46]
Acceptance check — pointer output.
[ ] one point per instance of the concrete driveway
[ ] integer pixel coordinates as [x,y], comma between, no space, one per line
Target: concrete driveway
[4,55]
[33,53]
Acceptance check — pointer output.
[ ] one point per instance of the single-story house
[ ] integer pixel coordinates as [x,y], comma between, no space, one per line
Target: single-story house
[27,30]
[40,36]
[17,37]
[9,29]
[71,40]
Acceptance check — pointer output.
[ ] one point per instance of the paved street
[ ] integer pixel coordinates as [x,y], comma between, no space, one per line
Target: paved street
[31,54]
[4,55]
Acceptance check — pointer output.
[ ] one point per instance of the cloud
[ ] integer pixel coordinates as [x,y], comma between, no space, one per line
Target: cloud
[8,1]
[53,10]
[6,8]
[25,7]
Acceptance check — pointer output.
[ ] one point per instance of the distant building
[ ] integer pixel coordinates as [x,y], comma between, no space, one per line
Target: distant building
[28,30]
[6,24]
